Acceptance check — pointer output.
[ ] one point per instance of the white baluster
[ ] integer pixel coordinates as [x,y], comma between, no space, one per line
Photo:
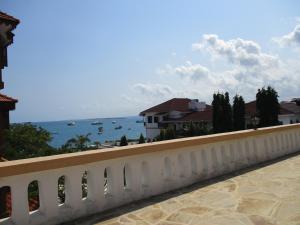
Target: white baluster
[156,173]
[117,183]
[233,158]
[203,166]
[255,151]
[48,196]
[19,199]
[136,174]
[73,190]
[219,160]
[95,183]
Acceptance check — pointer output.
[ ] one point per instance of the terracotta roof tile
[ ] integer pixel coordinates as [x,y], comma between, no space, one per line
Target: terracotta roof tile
[250,109]
[7,17]
[198,116]
[174,104]
[4,98]
[291,106]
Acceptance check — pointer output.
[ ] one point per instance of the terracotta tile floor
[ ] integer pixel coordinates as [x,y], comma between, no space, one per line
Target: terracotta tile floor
[264,196]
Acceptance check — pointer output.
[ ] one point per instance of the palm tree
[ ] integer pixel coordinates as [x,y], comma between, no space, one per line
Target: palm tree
[82,141]
[76,144]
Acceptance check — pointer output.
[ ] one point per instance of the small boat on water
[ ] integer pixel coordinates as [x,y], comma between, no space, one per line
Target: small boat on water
[113,122]
[97,122]
[100,130]
[118,127]
[72,123]
[139,121]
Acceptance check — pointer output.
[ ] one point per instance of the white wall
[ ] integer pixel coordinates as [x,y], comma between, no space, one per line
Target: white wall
[152,133]
[146,174]
[175,114]
[286,119]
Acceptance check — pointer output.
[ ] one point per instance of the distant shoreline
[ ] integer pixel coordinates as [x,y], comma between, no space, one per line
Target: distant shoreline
[67,120]
[61,132]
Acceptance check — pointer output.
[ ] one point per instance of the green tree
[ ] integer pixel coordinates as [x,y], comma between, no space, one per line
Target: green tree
[222,113]
[170,133]
[123,141]
[79,142]
[227,113]
[267,106]
[191,131]
[238,113]
[162,135]
[82,141]
[27,141]
[97,143]
[141,139]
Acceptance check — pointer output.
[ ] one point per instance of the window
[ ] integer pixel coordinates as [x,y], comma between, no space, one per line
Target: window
[5,202]
[155,119]
[33,196]
[149,119]
[107,181]
[84,185]
[61,190]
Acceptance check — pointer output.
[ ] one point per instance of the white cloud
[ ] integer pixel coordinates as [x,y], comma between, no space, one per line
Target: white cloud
[238,51]
[153,90]
[292,38]
[239,66]
[194,72]
[189,71]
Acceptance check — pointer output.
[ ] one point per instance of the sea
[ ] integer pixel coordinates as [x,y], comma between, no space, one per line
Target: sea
[61,132]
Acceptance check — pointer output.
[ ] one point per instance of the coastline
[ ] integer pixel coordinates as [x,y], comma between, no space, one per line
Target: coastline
[61,132]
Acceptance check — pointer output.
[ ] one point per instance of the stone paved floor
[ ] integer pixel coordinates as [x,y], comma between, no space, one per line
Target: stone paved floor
[265,196]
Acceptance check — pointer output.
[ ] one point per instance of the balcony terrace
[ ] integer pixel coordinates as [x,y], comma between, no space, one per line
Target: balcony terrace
[150,174]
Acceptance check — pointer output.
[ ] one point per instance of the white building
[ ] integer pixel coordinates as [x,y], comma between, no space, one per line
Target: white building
[175,112]
[289,113]
[293,107]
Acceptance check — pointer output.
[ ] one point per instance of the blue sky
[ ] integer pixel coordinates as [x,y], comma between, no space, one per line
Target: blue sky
[87,59]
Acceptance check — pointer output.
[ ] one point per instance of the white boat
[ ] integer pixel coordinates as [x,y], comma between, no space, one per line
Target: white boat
[97,122]
[113,122]
[72,123]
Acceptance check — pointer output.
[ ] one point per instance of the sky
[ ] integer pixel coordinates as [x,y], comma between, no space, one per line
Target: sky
[75,59]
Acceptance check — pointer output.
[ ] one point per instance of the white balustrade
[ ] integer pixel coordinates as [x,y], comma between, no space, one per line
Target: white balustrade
[118,180]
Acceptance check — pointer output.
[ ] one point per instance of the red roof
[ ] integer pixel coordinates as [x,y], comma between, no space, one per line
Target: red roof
[198,116]
[250,109]
[4,16]
[290,106]
[174,104]
[4,98]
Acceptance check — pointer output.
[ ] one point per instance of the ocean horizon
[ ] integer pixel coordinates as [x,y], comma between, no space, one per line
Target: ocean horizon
[61,132]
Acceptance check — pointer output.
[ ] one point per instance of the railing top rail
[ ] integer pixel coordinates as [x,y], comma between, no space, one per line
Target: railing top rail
[23,166]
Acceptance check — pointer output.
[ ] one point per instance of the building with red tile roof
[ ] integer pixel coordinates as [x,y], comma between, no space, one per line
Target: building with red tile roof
[178,112]
[285,115]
